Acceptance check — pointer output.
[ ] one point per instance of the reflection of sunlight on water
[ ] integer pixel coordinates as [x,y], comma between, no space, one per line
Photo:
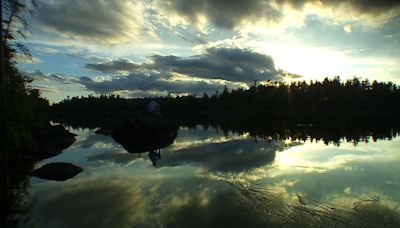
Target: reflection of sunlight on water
[190,142]
[115,183]
[316,156]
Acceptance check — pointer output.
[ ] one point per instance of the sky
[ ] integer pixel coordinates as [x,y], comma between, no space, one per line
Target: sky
[159,47]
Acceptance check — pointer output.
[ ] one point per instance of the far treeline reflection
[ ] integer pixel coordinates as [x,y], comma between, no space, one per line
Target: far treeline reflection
[330,110]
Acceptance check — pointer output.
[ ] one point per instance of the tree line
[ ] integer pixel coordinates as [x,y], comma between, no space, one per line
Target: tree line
[332,96]
[21,110]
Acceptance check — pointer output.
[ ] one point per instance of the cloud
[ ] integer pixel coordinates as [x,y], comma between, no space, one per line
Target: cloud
[235,155]
[151,82]
[93,20]
[232,156]
[117,198]
[241,14]
[230,64]
[113,157]
[45,88]
[137,84]
[222,13]
[56,86]
[47,50]
[27,59]
[87,57]
[118,65]
[363,7]
[37,75]
[207,72]
[348,28]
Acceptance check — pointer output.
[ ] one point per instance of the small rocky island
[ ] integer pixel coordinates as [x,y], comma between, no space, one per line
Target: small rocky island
[143,133]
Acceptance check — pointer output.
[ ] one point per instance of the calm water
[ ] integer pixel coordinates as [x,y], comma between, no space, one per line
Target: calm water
[195,183]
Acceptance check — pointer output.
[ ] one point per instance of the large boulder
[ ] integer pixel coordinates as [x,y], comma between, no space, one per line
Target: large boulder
[43,151]
[49,141]
[59,171]
[145,133]
[54,135]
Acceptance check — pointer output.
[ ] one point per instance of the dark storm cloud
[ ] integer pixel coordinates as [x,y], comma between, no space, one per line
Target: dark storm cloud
[229,14]
[90,19]
[118,65]
[230,64]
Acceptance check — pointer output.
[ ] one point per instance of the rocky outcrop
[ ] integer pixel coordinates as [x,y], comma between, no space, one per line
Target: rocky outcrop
[143,133]
[49,140]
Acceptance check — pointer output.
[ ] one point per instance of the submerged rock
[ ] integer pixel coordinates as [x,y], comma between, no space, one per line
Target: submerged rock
[59,171]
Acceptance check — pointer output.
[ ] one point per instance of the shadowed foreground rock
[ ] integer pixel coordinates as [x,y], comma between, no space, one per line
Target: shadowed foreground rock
[50,140]
[55,136]
[59,171]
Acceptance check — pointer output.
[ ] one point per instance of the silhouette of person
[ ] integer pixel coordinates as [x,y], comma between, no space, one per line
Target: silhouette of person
[153,108]
[154,156]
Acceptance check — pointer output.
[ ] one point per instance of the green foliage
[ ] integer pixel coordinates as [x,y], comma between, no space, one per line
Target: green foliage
[24,106]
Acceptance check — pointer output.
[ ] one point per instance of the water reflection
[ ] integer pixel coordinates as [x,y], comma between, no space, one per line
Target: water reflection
[154,156]
[188,186]
[233,155]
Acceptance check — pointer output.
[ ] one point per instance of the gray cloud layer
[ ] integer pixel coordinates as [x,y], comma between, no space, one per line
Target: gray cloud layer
[89,19]
[118,65]
[231,64]
[149,82]
[229,14]
[222,63]
[223,13]
[133,85]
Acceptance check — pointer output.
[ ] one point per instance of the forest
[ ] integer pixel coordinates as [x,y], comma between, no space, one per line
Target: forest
[331,110]
[331,96]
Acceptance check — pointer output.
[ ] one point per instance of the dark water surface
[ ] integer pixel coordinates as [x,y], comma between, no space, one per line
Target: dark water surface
[212,178]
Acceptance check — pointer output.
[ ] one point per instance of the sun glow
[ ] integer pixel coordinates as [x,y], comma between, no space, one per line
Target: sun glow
[287,79]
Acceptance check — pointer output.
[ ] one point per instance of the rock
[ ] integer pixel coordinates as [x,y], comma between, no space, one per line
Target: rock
[104,131]
[44,151]
[59,171]
[55,136]
[145,133]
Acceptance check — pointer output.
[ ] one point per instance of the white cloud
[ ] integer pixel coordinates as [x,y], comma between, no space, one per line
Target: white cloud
[348,28]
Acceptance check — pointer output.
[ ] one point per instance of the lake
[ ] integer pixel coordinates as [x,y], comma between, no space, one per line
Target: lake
[221,178]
